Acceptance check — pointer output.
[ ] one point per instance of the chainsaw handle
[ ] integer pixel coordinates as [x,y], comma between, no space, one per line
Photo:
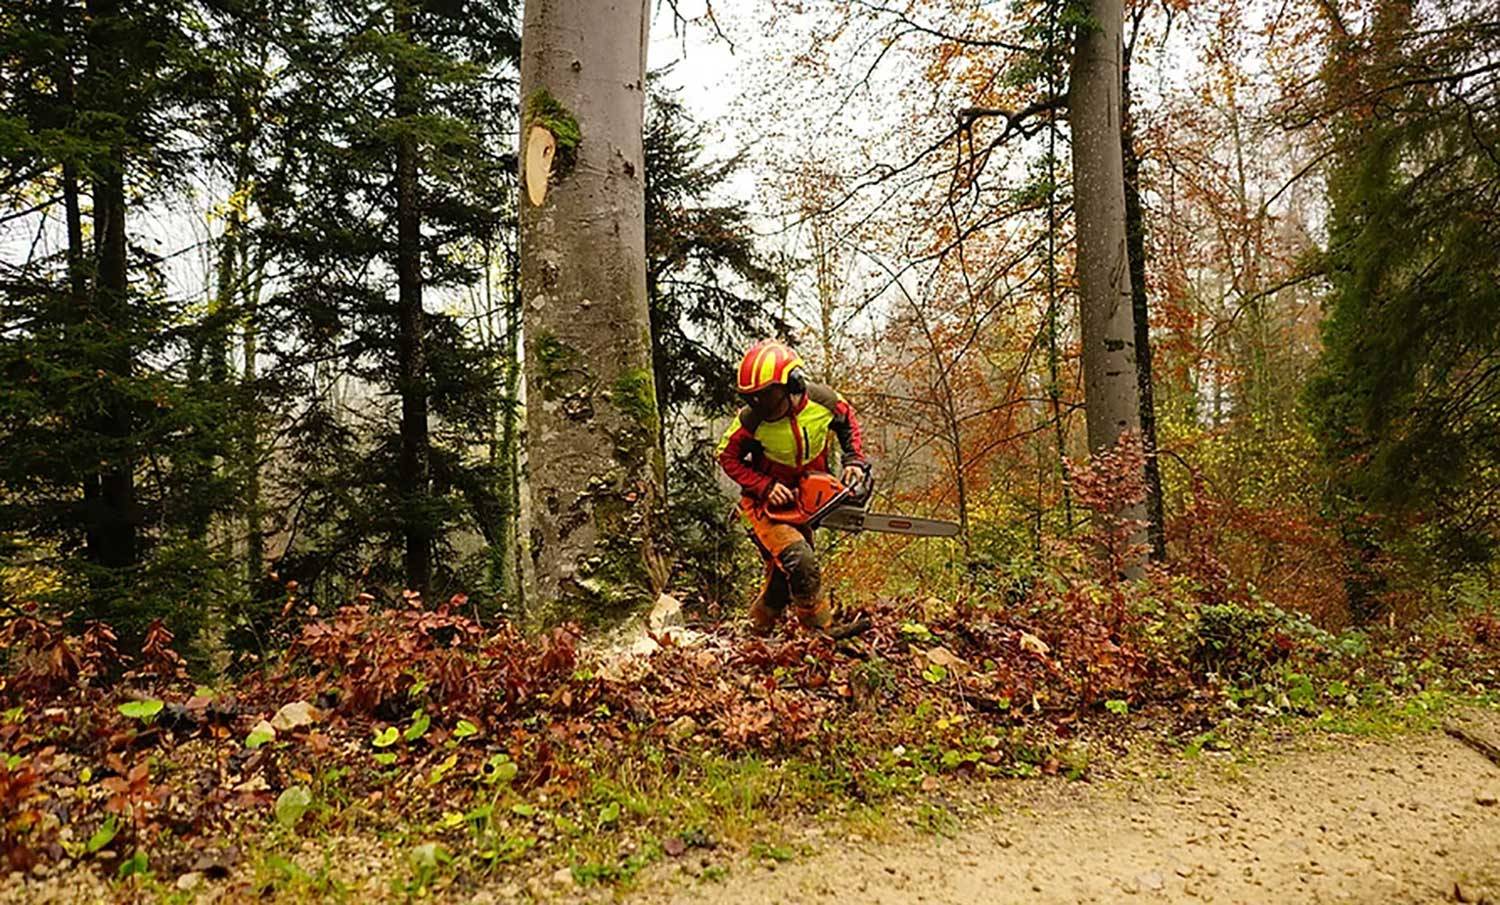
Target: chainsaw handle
[861,491]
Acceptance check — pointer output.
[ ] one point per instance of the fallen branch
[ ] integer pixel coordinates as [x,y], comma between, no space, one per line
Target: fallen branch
[849,630]
[1483,746]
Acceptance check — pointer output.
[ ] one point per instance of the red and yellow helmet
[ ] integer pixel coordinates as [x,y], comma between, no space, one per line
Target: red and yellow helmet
[768,362]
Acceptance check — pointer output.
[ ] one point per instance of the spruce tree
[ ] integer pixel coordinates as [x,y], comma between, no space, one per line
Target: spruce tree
[102,437]
[1406,390]
[384,185]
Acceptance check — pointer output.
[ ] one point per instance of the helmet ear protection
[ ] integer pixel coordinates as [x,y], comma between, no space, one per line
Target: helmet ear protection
[796,381]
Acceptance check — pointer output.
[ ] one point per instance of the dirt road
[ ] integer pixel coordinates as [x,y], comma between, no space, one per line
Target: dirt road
[1322,819]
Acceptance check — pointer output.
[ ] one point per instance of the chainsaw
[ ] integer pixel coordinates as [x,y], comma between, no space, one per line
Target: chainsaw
[824,502]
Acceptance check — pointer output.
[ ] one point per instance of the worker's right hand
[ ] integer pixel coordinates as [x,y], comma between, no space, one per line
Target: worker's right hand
[781,496]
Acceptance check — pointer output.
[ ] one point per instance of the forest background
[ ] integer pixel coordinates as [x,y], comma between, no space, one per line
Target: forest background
[208,405]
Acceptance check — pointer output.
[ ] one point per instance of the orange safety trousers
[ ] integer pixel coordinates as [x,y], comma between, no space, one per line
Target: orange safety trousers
[792,572]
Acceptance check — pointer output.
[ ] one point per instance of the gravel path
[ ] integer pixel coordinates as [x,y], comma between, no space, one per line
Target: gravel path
[1327,819]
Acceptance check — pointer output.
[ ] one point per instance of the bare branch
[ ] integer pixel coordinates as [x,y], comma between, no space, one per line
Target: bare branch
[932,31]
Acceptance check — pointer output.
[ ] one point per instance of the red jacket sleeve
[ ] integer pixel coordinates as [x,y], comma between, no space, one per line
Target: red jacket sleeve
[732,454]
[851,438]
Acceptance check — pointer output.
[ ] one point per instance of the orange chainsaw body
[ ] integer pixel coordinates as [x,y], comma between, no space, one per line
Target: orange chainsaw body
[815,491]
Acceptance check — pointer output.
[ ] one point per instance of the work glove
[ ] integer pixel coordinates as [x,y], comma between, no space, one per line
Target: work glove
[780,496]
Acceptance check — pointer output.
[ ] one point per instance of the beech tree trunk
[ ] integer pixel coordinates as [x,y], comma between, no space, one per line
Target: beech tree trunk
[1109,382]
[1135,230]
[411,353]
[593,450]
[1111,393]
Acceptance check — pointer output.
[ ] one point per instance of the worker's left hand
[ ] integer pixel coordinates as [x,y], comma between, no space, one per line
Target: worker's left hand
[853,476]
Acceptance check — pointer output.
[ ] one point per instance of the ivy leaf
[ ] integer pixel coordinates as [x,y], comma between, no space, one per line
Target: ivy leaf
[261,734]
[386,759]
[135,865]
[291,804]
[464,729]
[1118,708]
[418,728]
[934,673]
[385,738]
[500,769]
[441,770]
[916,630]
[103,834]
[145,711]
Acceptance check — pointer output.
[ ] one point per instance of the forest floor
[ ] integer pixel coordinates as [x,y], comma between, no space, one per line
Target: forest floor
[1388,815]
[1294,818]
[405,754]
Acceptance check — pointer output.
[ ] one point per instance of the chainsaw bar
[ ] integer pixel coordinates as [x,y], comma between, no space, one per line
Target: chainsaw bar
[849,518]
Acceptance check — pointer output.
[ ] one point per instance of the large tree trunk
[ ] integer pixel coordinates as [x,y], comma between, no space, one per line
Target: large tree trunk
[250,443]
[411,354]
[1109,381]
[252,273]
[78,267]
[1111,395]
[1135,232]
[509,452]
[595,462]
[1054,354]
[112,538]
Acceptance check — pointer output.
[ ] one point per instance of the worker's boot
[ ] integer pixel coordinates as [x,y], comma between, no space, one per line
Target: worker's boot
[815,615]
[763,617]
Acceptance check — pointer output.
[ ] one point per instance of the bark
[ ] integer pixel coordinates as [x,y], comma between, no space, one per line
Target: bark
[595,461]
[77,262]
[78,266]
[1054,357]
[505,577]
[112,536]
[1136,240]
[249,428]
[510,438]
[1111,395]
[250,445]
[413,477]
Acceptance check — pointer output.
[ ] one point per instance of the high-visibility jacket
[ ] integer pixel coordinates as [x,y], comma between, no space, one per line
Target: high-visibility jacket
[757,454]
